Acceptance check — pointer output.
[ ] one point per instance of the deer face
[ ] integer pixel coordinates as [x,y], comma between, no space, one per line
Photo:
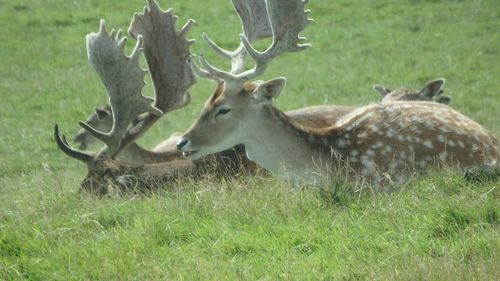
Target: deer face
[101,120]
[229,117]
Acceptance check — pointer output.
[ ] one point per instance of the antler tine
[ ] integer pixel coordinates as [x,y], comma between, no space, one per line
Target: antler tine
[123,78]
[217,49]
[288,19]
[198,71]
[254,19]
[214,71]
[255,25]
[68,150]
[284,20]
[167,54]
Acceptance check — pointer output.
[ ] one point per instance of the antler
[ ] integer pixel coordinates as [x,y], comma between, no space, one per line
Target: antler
[166,51]
[286,19]
[255,24]
[123,78]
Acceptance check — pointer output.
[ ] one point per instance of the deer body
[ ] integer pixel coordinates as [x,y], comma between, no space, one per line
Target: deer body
[385,141]
[376,142]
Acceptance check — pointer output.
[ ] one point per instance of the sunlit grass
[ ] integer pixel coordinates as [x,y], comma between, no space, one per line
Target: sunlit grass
[439,227]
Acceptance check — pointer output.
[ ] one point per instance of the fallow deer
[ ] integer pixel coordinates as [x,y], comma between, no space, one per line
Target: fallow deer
[432,91]
[133,162]
[312,116]
[130,114]
[101,120]
[378,142]
[167,51]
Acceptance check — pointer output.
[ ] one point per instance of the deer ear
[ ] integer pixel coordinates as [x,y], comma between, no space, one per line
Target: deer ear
[381,89]
[270,90]
[432,88]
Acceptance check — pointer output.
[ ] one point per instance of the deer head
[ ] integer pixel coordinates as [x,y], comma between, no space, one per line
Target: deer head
[377,142]
[101,120]
[167,52]
[432,91]
[236,98]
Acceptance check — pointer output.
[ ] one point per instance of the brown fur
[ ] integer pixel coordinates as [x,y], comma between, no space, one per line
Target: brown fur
[379,141]
[230,162]
[396,139]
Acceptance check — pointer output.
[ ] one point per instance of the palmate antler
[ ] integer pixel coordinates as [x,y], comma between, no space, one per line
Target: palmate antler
[255,23]
[124,79]
[166,51]
[282,20]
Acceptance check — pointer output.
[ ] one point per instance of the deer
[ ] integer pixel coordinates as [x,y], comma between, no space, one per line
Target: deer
[380,144]
[312,116]
[432,91]
[130,163]
[121,162]
[166,50]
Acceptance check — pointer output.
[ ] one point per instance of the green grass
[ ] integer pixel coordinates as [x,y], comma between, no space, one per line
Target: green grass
[436,228]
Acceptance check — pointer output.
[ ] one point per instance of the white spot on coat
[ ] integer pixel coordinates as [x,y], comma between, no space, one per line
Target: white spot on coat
[475,147]
[374,127]
[390,133]
[428,143]
[341,142]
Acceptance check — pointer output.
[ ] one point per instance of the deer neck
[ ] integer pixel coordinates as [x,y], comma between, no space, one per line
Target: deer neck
[285,148]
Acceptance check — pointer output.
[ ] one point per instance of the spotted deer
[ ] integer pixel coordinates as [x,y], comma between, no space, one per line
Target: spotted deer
[432,91]
[166,51]
[101,120]
[312,116]
[121,161]
[132,163]
[377,143]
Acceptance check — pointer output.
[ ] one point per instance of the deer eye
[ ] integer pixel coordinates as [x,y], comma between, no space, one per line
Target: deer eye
[222,111]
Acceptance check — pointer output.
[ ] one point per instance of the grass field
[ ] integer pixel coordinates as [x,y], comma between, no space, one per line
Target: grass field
[436,228]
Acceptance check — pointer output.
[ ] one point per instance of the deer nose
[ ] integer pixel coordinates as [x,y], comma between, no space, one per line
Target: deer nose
[181,143]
